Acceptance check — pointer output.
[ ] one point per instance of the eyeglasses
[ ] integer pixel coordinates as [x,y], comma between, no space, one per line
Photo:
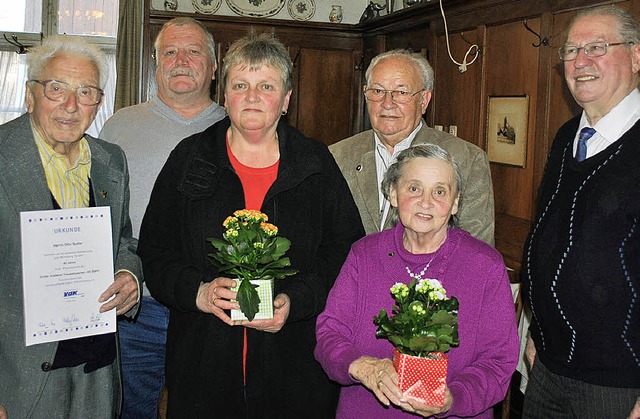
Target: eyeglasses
[592,49]
[398,96]
[59,91]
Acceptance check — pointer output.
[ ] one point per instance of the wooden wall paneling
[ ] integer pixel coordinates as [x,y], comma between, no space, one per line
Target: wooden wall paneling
[325,94]
[358,108]
[292,113]
[542,136]
[457,96]
[416,38]
[512,70]
[634,8]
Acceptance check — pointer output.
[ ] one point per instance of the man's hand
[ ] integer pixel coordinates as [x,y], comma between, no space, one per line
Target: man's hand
[530,352]
[3,413]
[124,291]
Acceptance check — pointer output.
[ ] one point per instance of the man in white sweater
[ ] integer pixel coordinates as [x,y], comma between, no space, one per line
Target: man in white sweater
[148,132]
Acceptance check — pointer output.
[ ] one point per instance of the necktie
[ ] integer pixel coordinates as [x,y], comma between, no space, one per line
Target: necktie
[585,134]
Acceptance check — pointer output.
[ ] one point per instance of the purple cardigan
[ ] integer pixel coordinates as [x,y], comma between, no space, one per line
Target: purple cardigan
[480,368]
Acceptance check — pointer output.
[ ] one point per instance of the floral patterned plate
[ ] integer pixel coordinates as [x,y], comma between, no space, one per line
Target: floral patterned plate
[208,7]
[301,9]
[255,8]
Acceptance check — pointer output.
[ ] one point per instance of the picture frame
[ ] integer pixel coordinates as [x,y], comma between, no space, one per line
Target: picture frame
[507,122]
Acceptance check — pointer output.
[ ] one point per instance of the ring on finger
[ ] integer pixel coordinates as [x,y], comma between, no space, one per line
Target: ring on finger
[380,373]
[214,301]
[214,291]
[379,384]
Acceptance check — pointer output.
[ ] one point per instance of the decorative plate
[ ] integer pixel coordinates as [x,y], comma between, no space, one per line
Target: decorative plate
[208,7]
[301,9]
[256,8]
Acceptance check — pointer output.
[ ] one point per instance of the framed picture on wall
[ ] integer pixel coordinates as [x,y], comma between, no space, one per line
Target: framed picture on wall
[507,121]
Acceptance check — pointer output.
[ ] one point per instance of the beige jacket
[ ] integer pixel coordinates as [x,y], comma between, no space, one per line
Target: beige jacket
[356,158]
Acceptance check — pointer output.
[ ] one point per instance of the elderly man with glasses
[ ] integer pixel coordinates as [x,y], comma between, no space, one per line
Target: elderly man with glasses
[48,162]
[398,91]
[581,267]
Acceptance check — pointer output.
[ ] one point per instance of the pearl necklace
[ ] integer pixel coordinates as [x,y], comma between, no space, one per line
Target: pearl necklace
[418,277]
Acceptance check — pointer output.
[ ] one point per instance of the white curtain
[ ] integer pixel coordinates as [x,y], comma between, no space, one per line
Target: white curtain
[106,110]
[13,75]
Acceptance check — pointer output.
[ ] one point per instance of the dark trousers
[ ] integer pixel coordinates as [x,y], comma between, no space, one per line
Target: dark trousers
[553,396]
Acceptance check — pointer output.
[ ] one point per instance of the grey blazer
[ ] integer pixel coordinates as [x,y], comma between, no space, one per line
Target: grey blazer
[356,158]
[23,187]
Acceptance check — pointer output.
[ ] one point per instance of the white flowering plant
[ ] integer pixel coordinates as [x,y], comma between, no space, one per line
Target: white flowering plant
[424,319]
[251,249]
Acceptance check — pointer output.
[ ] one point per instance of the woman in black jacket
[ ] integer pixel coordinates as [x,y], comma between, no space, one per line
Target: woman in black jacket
[265,368]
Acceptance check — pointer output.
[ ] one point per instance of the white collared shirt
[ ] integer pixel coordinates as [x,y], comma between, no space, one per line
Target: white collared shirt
[612,126]
[384,159]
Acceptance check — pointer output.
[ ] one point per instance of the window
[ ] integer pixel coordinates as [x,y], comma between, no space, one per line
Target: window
[23,22]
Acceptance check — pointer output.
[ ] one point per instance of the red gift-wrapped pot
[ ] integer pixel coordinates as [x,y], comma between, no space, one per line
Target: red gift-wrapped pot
[422,378]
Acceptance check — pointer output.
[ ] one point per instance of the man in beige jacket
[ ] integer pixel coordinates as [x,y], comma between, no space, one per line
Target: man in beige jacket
[398,91]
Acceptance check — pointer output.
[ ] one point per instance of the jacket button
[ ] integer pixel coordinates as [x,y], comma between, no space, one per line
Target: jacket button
[46,366]
[358,167]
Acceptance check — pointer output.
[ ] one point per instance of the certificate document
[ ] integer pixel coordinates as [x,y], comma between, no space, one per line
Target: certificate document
[67,262]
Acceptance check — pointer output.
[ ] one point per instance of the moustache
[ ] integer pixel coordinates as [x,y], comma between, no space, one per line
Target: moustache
[182,72]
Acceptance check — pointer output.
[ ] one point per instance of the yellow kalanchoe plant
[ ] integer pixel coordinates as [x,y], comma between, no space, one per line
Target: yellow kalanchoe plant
[250,249]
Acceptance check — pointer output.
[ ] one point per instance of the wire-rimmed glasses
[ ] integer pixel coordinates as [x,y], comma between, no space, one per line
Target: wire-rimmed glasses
[59,91]
[592,49]
[398,96]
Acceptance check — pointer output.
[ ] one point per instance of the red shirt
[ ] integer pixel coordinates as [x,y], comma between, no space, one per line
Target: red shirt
[256,181]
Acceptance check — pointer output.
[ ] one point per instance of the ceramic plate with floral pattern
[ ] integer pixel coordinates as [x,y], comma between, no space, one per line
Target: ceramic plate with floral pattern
[256,8]
[208,7]
[301,9]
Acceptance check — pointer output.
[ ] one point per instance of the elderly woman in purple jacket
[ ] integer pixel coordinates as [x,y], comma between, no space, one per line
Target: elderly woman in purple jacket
[423,188]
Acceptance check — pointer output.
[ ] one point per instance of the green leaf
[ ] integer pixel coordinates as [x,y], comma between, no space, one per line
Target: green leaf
[218,244]
[443,317]
[281,247]
[248,299]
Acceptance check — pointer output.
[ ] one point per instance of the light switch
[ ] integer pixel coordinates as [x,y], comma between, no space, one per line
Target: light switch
[453,130]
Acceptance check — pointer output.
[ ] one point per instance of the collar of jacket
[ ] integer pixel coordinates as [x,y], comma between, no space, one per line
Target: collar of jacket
[208,160]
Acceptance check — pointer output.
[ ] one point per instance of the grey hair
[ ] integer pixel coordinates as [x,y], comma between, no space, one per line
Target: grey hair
[427,151]
[426,72]
[256,50]
[186,21]
[628,27]
[55,45]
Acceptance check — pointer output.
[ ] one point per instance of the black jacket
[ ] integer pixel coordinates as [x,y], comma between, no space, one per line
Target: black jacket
[311,205]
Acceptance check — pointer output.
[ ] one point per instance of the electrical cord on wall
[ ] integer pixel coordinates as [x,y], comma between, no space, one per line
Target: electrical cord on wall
[462,67]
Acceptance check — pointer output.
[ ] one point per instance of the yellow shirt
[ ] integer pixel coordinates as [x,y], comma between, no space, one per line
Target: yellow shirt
[69,185]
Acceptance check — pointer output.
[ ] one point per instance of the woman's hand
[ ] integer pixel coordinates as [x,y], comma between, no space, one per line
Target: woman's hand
[379,376]
[214,297]
[416,406]
[3,412]
[281,306]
